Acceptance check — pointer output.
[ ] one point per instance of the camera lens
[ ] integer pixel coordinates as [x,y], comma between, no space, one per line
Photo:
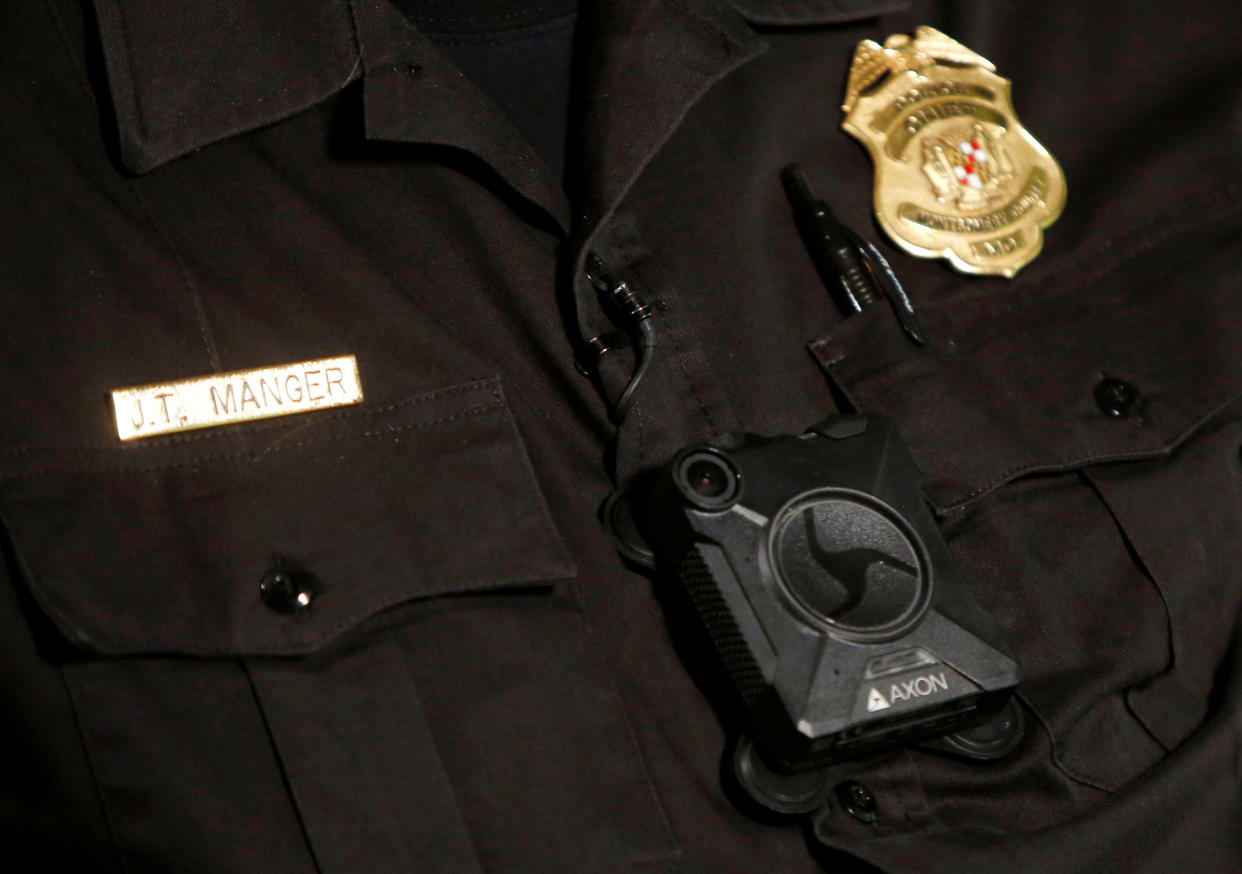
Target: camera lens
[708,480]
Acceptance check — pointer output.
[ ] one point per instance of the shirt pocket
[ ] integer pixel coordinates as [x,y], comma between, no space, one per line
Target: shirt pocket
[436,706]
[1103,542]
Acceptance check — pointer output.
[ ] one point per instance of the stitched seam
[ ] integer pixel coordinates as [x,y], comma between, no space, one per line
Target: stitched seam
[702,22]
[636,749]
[1125,255]
[412,292]
[501,16]
[208,459]
[402,657]
[356,44]
[691,382]
[1145,243]
[1054,752]
[89,753]
[306,86]
[388,598]
[56,140]
[251,427]
[1170,629]
[685,364]
[515,35]
[1074,461]
[491,40]
[232,111]
[589,628]
[532,480]
[1183,218]
[183,268]
[269,729]
[70,57]
[645,159]
[627,721]
[131,86]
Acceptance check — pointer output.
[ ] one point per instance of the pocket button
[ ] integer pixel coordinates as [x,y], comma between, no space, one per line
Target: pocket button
[286,589]
[1117,398]
[857,800]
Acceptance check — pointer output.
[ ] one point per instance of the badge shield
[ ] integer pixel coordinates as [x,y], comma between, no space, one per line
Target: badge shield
[956,174]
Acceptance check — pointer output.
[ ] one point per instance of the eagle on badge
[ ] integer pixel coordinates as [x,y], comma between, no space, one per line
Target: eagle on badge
[873,62]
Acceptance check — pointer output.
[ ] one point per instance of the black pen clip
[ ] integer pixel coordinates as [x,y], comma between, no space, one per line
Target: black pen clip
[853,270]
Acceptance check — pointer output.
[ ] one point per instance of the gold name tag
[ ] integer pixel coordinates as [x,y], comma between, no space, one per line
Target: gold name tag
[240,396]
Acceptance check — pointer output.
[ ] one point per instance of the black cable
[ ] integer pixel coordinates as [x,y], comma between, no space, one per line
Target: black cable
[646,352]
[623,300]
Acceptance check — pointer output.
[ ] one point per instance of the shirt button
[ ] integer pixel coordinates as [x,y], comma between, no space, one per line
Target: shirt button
[857,800]
[286,590]
[1117,398]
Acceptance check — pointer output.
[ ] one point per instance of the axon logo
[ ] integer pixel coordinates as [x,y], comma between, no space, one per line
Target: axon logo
[926,684]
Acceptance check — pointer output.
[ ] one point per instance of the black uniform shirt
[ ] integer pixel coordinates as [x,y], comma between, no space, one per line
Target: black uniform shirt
[480,684]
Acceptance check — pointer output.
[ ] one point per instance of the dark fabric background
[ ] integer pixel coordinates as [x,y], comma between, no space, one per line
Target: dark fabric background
[482,684]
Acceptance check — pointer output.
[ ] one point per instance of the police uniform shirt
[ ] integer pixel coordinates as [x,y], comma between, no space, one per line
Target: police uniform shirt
[477,682]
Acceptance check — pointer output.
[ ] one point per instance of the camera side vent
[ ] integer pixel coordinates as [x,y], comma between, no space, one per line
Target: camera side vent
[701,585]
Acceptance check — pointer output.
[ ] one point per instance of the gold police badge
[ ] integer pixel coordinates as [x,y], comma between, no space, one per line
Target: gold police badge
[956,174]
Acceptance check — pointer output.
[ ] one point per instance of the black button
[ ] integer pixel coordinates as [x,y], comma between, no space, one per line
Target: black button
[1117,398]
[287,589]
[857,800]
[596,272]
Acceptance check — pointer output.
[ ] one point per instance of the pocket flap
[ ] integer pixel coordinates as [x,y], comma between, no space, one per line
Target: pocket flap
[160,547]
[1007,383]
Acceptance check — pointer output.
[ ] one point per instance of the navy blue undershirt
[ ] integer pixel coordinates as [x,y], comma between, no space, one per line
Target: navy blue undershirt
[519,52]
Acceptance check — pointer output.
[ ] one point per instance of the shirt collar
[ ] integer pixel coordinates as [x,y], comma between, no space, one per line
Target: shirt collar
[790,13]
[187,73]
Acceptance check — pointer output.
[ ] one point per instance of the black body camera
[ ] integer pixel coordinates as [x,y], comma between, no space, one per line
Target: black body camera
[828,593]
